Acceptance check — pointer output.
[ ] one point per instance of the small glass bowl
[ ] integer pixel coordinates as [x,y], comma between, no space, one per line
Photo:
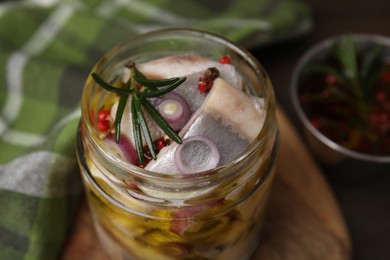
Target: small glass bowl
[329,152]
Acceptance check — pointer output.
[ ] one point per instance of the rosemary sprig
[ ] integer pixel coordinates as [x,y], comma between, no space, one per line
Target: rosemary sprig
[152,84]
[355,77]
[141,88]
[137,133]
[105,85]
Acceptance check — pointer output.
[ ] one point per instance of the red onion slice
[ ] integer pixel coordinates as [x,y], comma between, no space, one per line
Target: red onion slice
[124,150]
[196,154]
[174,108]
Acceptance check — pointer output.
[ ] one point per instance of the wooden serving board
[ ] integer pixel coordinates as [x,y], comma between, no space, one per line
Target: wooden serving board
[303,219]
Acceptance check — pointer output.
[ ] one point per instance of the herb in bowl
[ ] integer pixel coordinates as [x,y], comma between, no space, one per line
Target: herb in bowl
[346,95]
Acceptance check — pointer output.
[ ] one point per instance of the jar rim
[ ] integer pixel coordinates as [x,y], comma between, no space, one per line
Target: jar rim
[244,54]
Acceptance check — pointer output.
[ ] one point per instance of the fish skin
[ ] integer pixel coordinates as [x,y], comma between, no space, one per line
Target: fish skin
[237,107]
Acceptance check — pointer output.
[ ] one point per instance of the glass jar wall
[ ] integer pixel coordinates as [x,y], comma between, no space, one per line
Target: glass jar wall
[140,214]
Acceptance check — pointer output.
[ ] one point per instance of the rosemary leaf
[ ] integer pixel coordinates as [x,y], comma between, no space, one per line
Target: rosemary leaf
[105,85]
[346,54]
[144,127]
[166,89]
[140,78]
[119,112]
[137,132]
[160,121]
[143,94]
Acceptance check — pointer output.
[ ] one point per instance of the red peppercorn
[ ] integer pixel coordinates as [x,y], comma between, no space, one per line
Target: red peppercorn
[103,126]
[330,79]
[103,115]
[203,87]
[160,144]
[224,59]
[146,161]
[206,81]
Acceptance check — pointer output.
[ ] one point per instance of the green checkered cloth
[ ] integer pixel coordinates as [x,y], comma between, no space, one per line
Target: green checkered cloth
[47,48]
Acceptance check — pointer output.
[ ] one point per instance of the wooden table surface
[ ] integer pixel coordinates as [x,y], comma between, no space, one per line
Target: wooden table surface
[364,202]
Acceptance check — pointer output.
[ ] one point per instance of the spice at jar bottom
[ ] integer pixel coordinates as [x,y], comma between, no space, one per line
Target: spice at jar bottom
[177,147]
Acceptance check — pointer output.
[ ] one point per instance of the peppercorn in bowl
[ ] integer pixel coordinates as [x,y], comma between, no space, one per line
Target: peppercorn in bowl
[341,94]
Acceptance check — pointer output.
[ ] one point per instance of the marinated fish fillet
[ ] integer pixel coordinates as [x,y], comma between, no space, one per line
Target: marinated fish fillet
[228,117]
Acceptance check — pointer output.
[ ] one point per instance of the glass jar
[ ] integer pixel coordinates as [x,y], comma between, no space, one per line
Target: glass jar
[139,214]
